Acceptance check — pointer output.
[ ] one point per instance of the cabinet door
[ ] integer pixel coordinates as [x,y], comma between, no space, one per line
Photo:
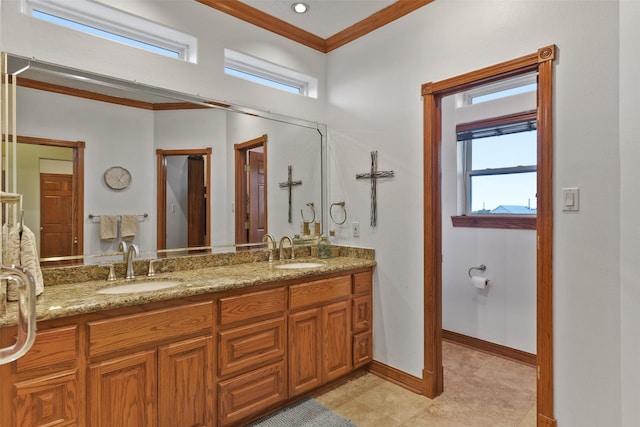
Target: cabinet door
[185,384]
[122,391]
[305,355]
[362,349]
[336,322]
[361,313]
[48,401]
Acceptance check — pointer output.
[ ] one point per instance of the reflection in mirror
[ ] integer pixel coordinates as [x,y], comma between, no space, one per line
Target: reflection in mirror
[123,124]
[183,191]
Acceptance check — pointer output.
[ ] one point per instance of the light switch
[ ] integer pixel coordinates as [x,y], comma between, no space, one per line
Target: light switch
[570,199]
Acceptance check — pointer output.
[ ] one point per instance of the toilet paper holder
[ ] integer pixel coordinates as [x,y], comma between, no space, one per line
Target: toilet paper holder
[481,267]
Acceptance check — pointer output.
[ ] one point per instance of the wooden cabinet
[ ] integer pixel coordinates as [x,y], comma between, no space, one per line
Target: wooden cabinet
[305,351]
[252,346]
[47,382]
[122,391]
[186,383]
[319,336]
[170,383]
[216,360]
[362,319]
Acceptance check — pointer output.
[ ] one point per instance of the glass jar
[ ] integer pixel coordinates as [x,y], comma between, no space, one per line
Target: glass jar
[324,248]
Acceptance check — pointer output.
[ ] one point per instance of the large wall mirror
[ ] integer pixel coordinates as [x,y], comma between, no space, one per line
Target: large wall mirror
[169,148]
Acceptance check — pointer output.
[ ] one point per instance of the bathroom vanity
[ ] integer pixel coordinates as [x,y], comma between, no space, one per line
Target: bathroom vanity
[226,345]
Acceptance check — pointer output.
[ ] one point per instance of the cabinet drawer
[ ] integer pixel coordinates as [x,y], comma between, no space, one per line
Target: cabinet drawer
[362,349]
[107,336]
[247,346]
[362,283]
[51,348]
[248,394]
[318,292]
[251,306]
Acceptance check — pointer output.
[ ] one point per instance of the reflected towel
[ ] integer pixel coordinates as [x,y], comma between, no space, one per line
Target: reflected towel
[128,227]
[108,227]
[23,252]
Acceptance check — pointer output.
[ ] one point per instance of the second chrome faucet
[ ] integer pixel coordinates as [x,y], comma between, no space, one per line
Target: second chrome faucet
[132,252]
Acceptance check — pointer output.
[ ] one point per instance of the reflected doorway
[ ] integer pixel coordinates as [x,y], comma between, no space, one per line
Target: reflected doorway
[251,190]
[183,193]
[50,176]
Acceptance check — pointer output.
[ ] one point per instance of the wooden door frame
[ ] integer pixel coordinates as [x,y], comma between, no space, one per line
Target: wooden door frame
[161,199]
[542,63]
[77,211]
[241,183]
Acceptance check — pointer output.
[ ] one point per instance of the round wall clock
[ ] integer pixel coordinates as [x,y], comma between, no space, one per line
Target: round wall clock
[117,178]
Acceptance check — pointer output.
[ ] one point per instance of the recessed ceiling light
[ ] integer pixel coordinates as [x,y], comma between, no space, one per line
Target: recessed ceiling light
[299,7]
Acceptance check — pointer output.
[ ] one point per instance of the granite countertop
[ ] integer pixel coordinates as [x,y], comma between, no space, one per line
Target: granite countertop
[71,299]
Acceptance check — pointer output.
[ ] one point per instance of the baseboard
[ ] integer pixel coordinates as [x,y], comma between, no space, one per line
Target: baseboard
[544,421]
[489,347]
[396,376]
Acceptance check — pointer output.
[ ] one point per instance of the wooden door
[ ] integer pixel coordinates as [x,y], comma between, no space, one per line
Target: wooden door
[56,216]
[305,355]
[196,202]
[185,384]
[256,197]
[122,391]
[336,330]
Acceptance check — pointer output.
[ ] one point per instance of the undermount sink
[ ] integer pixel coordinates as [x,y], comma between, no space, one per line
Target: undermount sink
[144,286]
[295,265]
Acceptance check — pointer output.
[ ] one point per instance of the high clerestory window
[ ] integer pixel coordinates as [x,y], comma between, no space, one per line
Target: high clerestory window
[263,72]
[116,25]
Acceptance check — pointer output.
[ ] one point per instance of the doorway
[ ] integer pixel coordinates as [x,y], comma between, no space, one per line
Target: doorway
[183,195]
[251,190]
[542,63]
[53,203]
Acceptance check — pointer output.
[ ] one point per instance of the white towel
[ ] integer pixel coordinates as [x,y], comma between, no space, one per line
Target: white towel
[128,227]
[23,252]
[108,227]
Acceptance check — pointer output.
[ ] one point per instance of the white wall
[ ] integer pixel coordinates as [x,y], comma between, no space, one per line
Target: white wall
[177,207]
[374,103]
[629,208]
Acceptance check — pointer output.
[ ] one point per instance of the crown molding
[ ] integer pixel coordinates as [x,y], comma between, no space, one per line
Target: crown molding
[265,21]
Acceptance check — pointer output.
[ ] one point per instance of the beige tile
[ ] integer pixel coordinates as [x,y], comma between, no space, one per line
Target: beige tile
[481,390]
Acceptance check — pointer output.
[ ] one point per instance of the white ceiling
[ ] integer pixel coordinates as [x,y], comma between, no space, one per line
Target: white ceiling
[325,17]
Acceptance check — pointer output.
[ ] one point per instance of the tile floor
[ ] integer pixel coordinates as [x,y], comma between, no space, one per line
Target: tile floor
[480,391]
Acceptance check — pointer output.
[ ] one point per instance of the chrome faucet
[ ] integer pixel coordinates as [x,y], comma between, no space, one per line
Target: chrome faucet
[282,248]
[271,244]
[131,254]
[122,247]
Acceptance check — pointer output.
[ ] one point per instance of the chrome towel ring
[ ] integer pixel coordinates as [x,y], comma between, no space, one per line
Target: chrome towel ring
[313,211]
[344,219]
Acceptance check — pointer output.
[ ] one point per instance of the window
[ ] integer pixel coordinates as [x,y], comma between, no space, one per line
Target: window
[266,73]
[102,21]
[499,165]
[496,133]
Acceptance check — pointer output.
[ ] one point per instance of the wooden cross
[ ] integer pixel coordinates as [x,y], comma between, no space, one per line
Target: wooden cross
[289,184]
[373,176]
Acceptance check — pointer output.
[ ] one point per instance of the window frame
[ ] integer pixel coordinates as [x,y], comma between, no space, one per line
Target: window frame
[507,221]
[119,23]
[263,72]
